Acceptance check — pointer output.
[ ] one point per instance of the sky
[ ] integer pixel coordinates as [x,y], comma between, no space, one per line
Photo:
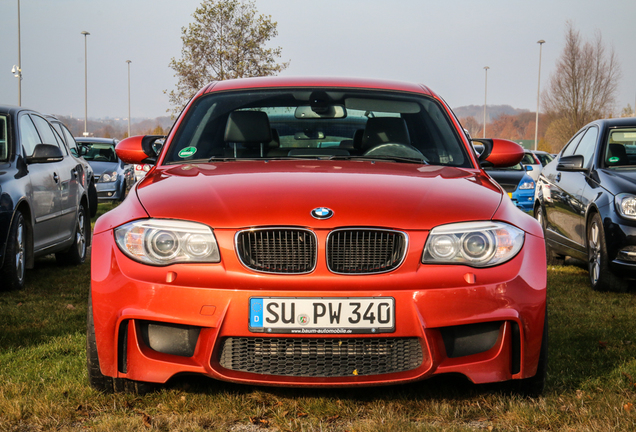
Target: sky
[442,44]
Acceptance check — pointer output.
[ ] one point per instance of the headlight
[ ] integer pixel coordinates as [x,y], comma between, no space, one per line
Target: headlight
[626,205]
[108,177]
[526,185]
[476,244]
[165,241]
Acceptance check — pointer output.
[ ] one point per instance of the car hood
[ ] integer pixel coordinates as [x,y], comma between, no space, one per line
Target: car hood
[360,193]
[100,167]
[618,180]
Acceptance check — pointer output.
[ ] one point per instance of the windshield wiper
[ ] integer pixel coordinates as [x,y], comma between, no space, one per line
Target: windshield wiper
[382,159]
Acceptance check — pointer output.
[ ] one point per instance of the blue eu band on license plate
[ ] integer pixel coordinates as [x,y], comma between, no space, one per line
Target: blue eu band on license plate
[322,315]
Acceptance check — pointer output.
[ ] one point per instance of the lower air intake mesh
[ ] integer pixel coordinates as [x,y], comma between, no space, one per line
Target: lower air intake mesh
[308,357]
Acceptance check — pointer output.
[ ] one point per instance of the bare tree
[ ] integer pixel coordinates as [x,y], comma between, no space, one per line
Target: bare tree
[582,88]
[226,40]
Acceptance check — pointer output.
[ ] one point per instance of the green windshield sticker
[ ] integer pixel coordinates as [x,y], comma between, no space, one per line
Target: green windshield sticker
[614,159]
[187,152]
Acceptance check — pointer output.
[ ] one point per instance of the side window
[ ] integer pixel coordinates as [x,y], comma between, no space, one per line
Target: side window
[571,146]
[29,137]
[528,159]
[587,146]
[45,130]
[70,141]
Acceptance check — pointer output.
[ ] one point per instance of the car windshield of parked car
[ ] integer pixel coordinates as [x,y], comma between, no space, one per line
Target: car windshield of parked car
[620,151]
[321,124]
[4,144]
[99,152]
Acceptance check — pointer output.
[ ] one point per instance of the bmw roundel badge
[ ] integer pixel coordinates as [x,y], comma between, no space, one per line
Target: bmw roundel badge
[322,213]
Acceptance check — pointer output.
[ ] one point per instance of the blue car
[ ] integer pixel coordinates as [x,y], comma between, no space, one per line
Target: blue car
[519,185]
[113,178]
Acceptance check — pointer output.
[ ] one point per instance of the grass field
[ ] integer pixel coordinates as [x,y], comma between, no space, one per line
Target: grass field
[43,384]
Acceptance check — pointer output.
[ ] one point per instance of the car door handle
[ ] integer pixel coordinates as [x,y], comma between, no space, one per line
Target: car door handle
[558,177]
[56,178]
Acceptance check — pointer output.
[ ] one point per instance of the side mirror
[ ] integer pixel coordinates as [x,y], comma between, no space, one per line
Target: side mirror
[499,153]
[571,163]
[45,153]
[528,168]
[138,149]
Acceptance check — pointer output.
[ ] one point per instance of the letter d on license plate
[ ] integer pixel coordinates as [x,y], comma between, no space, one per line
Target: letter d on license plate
[322,315]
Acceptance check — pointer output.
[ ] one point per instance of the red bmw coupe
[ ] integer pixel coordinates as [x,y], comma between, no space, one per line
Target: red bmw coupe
[317,233]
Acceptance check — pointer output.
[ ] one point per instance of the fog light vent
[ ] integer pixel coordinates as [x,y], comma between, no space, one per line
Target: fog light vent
[470,339]
[172,339]
[627,254]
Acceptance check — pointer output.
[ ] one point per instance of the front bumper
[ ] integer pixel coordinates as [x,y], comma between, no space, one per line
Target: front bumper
[524,199]
[195,309]
[621,247]
[108,191]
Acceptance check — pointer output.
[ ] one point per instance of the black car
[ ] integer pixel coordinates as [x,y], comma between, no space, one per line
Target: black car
[43,196]
[76,151]
[586,202]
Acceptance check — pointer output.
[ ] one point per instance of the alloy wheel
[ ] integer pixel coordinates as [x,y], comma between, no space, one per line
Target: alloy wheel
[19,252]
[81,233]
[594,253]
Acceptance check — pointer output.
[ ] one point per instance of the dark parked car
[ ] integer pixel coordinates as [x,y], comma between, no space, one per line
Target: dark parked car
[112,176]
[586,202]
[67,137]
[43,196]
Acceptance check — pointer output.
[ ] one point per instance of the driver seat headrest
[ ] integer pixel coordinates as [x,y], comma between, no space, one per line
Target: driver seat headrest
[382,130]
[249,127]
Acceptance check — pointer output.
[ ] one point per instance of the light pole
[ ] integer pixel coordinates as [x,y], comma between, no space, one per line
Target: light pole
[536,122]
[485,98]
[17,70]
[128,61]
[85,33]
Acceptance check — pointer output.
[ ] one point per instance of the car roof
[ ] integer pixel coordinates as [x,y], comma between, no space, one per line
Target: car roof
[623,121]
[13,109]
[312,82]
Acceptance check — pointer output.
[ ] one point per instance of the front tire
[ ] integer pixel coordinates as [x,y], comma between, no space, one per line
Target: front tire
[76,254]
[601,277]
[14,266]
[124,192]
[92,199]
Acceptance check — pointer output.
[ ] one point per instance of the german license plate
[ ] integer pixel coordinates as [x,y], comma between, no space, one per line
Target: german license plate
[322,315]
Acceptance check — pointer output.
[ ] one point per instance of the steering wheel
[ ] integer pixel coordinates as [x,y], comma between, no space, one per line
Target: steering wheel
[395,150]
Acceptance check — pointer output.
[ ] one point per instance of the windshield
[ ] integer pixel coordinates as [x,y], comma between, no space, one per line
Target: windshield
[621,148]
[99,152]
[329,124]
[4,145]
